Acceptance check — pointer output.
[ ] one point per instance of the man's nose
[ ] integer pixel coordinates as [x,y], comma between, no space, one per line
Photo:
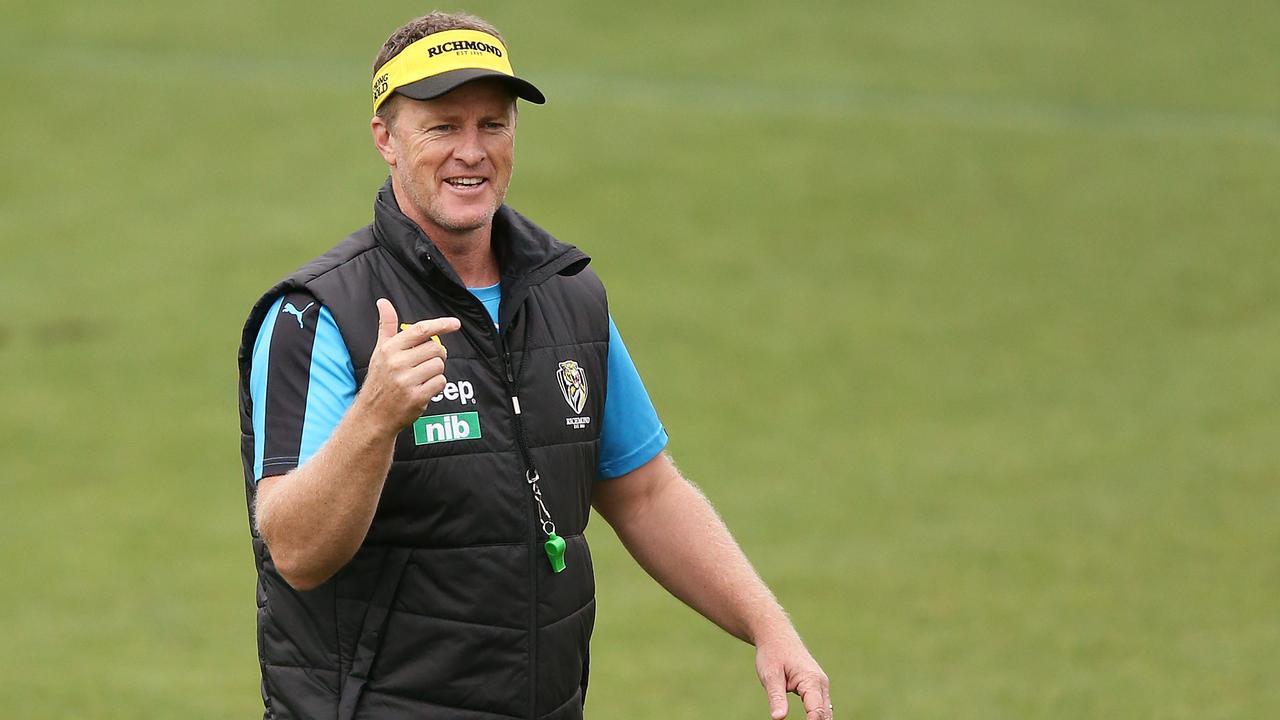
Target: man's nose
[469,148]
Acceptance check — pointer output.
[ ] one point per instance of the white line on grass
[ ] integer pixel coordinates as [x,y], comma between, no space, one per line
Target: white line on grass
[742,97]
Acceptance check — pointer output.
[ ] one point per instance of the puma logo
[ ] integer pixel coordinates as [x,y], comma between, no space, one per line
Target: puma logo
[289,308]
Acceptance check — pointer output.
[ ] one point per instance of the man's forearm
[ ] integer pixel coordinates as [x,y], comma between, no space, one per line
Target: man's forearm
[680,540]
[315,518]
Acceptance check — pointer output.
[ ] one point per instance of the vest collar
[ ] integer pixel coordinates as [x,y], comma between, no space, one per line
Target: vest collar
[527,254]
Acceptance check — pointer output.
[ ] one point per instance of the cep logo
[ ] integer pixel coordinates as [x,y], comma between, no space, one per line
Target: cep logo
[380,86]
[433,429]
[462,391]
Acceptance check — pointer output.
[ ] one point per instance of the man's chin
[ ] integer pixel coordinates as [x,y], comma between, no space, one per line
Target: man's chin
[466,222]
[464,227]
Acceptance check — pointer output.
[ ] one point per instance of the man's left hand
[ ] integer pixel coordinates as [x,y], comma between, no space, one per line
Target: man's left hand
[785,665]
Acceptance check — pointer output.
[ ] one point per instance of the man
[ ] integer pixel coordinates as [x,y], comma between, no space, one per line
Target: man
[430,410]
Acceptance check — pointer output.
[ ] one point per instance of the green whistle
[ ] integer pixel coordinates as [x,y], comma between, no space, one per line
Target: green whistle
[555,551]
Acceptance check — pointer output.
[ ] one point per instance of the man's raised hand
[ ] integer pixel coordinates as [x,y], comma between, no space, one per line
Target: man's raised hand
[406,369]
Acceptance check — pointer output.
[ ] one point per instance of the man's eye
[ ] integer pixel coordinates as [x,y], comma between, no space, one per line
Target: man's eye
[441,128]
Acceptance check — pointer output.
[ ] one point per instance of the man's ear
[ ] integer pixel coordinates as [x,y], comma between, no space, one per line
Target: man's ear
[382,139]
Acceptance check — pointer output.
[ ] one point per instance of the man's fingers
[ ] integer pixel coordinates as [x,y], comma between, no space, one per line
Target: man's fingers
[388,321]
[389,326]
[424,372]
[432,387]
[775,686]
[817,704]
[422,332]
[418,354]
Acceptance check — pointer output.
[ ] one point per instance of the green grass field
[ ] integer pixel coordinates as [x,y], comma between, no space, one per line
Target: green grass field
[965,315]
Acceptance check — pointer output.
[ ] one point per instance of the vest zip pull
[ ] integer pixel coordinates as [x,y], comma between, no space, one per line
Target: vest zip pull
[511,382]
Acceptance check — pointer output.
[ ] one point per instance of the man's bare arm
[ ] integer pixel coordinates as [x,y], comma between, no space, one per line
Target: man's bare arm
[314,518]
[671,529]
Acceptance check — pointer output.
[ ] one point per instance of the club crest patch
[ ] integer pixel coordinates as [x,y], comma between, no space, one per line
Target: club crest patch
[573,384]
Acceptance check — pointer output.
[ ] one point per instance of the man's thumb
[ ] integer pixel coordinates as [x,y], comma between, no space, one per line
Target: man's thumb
[775,687]
[388,321]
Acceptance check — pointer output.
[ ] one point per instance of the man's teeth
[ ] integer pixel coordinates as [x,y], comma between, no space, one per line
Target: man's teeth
[465,182]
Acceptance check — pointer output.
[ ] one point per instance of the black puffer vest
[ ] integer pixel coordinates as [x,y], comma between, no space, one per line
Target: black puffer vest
[450,609]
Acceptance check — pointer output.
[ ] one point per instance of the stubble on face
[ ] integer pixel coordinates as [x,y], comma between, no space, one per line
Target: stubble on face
[467,135]
[432,206]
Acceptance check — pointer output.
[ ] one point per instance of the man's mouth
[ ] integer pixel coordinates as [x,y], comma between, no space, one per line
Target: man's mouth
[465,183]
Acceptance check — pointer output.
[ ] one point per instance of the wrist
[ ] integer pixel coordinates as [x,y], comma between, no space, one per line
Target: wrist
[771,630]
[369,423]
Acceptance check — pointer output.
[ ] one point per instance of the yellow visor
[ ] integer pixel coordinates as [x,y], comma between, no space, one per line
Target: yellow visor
[442,61]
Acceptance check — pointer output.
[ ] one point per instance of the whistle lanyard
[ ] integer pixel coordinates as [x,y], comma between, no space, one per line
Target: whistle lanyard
[555,545]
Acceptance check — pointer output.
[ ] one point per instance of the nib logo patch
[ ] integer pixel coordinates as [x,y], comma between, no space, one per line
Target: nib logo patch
[432,429]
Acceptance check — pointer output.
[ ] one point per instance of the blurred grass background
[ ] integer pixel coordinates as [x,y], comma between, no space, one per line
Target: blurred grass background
[966,316]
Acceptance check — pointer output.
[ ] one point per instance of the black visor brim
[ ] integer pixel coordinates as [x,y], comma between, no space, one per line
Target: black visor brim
[437,85]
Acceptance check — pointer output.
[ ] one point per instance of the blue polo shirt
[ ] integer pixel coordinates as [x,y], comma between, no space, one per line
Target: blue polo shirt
[302,381]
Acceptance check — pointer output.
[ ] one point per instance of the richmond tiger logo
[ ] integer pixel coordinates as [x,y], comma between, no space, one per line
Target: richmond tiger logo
[573,384]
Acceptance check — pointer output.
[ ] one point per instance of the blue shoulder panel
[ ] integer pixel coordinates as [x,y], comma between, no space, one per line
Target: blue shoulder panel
[631,434]
[258,384]
[332,388]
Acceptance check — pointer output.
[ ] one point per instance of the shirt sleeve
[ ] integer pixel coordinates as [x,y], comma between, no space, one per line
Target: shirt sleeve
[630,434]
[301,382]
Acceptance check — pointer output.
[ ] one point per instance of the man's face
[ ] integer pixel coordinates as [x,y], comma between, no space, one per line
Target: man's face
[452,156]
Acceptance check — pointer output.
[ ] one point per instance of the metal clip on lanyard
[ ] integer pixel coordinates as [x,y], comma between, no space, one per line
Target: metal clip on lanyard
[554,546]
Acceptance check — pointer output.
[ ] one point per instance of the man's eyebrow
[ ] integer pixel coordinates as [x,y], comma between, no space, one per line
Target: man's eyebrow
[457,117]
[436,118]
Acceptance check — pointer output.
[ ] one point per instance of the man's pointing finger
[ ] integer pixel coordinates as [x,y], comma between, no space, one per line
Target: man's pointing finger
[427,330]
